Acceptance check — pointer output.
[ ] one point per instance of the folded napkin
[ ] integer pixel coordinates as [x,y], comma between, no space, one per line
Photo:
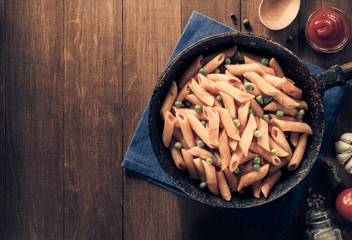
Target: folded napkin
[274,217]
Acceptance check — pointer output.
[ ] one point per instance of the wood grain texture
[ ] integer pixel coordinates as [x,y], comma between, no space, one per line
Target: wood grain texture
[151,30]
[2,121]
[34,109]
[92,119]
[220,12]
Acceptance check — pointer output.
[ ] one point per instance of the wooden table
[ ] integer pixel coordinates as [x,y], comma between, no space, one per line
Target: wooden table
[75,79]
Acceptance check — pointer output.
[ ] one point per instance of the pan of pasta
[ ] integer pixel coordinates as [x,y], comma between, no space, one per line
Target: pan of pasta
[236,120]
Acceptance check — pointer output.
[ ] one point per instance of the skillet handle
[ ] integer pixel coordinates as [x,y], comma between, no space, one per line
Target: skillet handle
[336,76]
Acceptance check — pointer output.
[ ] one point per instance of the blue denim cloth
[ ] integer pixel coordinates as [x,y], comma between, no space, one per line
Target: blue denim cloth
[274,217]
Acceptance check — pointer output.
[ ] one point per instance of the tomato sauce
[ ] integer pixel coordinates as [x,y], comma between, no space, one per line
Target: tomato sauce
[327,29]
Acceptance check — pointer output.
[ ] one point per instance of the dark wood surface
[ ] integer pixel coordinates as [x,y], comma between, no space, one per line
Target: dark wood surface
[75,79]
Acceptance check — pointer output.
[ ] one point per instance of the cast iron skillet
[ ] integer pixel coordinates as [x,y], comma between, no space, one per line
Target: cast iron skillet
[313,87]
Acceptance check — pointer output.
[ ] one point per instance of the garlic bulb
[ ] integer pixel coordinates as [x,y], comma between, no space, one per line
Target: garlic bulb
[343,149]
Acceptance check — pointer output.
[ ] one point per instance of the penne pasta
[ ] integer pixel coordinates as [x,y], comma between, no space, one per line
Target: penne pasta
[277,68]
[210,174]
[200,169]
[240,69]
[204,154]
[280,139]
[227,123]
[298,153]
[200,130]
[269,182]
[219,77]
[235,159]
[177,134]
[236,93]
[224,150]
[274,145]
[257,109]
[263,140]
[214,63]
[229,104]
[242,115]
[231,179]
[228,53]
[256,188]
[169,124]
[169,100]
[290,89]
[213,125]
[201,93]
[207,84]
[294,136]
[191,168]
[266,69]
[263,85]
[223,186]
[177,157]
[190,71]
[286,100]
[183,93]
[253,176]
[247,135]
[265,154]
[186,129]
[274,106]
[290,126]
[274,80]
[187,111]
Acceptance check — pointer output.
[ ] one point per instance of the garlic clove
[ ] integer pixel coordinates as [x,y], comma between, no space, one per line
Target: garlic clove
[348,166]
[341,147]
[346,137]
[343,157]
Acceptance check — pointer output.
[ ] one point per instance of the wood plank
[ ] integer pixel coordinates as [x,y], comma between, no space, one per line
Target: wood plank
[34,109]
[92,118]
[220,12]
[2,120]
[151,30]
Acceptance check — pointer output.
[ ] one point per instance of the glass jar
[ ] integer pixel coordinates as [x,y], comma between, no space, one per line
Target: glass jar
[328,30]
[321,226]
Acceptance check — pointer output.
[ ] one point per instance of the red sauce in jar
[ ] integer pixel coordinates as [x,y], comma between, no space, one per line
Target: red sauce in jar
[327,29]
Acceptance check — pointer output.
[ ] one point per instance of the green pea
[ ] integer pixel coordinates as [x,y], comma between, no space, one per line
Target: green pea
[302,112]
[219,98]
[203,122]
[188,103]
[217,156]
[274,151]
[299,116]
[209,160]
[250,111]
[279,113]
[236,56]
[257,133]
[236,122]
[198,108]
[227,61]
[200,143]
[217,70]
[202,71]
[178,104]
[256,161]
[256,167]
[248,87]
[203,185]
[245,81]
[237,170]
[268,99]
[265,61]
[260,100]
[266,117]
[178,145]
